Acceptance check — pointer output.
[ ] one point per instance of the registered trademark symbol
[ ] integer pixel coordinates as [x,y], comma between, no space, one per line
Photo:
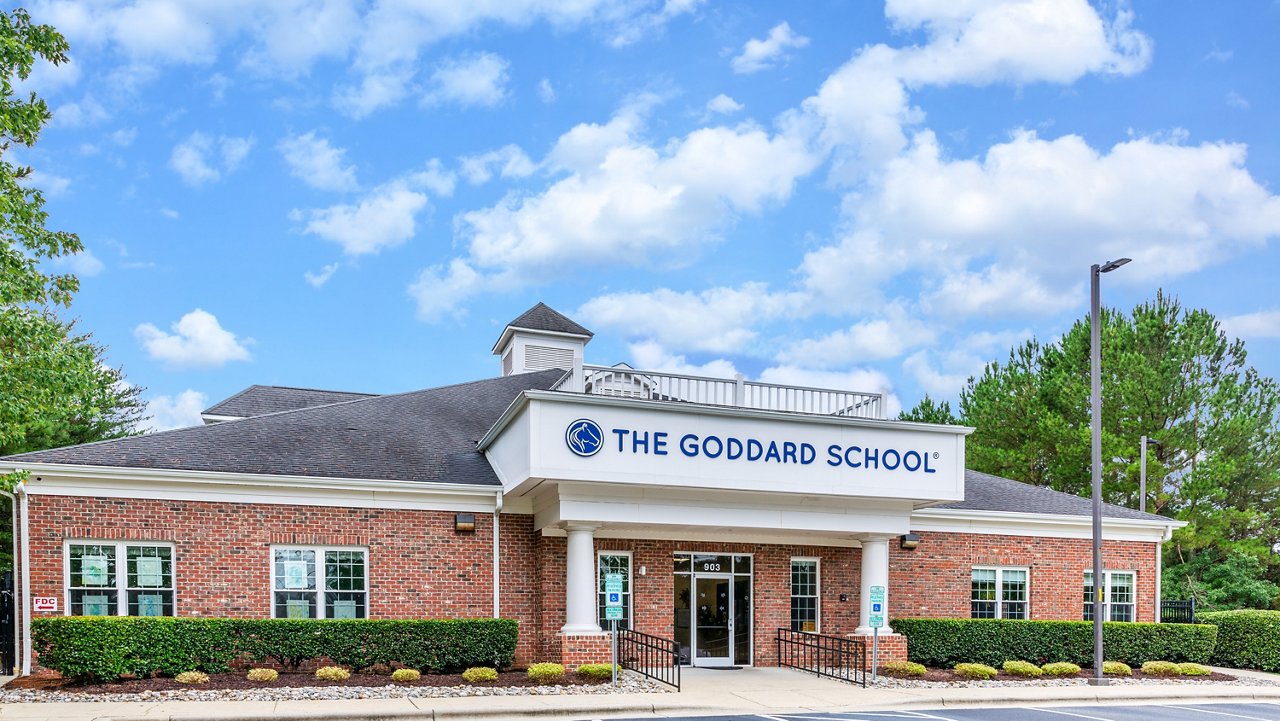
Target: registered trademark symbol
[935,454]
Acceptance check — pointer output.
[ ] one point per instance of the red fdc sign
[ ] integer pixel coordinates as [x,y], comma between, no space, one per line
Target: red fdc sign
[44,604]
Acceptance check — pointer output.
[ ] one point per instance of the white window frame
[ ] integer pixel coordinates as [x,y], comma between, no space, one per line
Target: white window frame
[817,596]
[631,587]
[1107,574]
[319,590]
[999,600]
[122,572]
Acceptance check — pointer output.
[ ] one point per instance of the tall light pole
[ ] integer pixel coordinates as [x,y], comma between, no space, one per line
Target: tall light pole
[1142,476]
[1095,373]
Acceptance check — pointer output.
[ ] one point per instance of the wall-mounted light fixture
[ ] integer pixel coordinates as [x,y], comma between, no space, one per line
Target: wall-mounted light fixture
[909,541]
[464,523]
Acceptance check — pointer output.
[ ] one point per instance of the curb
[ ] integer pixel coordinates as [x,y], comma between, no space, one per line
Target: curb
[647,709]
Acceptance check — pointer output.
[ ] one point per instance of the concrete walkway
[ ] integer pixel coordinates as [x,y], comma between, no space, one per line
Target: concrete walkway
[749,691]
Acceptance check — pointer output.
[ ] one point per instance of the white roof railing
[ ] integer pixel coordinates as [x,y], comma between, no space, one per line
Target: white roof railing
[626,382]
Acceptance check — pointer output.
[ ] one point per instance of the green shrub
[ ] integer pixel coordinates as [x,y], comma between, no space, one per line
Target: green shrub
[1246,639]
[905,669]
[1193,669]
[546,672]
[975,671]
[1160,668]
[332,673]
[105,648]
[1060,668]
[480,674]
[192,677]
[597,670]
[942,642]
[1021,668]
[1116,668]
[265,675]
[406,675]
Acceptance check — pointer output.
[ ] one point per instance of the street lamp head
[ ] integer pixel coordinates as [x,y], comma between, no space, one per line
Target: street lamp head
[1154,442]
[1111,265]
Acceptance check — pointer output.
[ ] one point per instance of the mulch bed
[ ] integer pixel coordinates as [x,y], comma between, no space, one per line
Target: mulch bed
[946,675]
[237,681]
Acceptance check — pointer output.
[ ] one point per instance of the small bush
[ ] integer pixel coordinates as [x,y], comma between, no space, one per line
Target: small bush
[597,670]
[546,672]
[481,674]
[332,673]
[1116,668]
[978,671]
[192,677]
[905,669]
[1022,668]
[1160,668]
[1246,639]
[266,675]
[1061,668]
[1193,669]
[406,675]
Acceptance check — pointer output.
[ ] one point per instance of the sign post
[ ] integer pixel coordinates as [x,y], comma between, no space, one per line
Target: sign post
[613,614]
[876,622]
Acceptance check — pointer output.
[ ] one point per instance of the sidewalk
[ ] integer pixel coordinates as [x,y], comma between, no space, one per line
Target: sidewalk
[751,691]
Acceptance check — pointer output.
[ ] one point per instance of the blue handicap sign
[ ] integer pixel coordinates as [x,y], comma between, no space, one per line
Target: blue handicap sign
[875,608]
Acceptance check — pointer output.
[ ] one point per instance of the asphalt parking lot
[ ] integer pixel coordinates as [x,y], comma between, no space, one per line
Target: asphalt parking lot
[1146,712]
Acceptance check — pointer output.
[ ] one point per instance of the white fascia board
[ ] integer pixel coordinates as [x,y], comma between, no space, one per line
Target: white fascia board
[690,537]
[210,418]
[512,329]
[1015,523]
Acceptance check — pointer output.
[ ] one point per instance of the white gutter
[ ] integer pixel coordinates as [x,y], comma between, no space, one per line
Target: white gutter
[497,576]
[21,492]
[18,594]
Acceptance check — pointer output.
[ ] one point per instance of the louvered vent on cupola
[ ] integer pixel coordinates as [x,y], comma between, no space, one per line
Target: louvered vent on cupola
[542,339]
[541,357]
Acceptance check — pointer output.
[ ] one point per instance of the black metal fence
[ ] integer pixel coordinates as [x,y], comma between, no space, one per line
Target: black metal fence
[1178,611]
[650,656]
[831,656]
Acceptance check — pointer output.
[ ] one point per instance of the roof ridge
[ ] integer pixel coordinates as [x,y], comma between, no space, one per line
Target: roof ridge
[315,390]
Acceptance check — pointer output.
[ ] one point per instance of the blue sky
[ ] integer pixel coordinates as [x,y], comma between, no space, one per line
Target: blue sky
[359,195]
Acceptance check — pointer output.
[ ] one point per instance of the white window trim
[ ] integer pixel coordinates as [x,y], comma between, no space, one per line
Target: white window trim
[817,563]
[631,584]
[320,577]
[1107,573]
[122,578]
[1000,602]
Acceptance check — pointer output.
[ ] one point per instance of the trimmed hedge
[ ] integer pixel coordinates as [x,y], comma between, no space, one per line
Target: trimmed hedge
[106,648]
[1246,639]
[943,642]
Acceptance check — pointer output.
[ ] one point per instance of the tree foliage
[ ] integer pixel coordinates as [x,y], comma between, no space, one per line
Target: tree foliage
[1169,373]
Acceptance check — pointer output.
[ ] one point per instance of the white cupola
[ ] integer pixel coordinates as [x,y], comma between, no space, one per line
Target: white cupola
[541,339]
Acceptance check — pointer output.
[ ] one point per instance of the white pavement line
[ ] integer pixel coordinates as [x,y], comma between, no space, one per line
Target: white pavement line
[1215,713]
[1068,713]
[920,714]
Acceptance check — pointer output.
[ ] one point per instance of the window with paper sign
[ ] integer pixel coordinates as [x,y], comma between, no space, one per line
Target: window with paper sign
[112,578]
[317,582]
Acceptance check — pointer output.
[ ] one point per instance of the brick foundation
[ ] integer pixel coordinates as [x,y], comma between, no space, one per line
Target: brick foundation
[891,647]
[576,650]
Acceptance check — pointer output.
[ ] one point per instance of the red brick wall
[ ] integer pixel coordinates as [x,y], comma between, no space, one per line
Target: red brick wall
[934,579]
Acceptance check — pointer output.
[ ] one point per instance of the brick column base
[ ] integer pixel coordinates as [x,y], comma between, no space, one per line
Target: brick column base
[892,647]
[576,650]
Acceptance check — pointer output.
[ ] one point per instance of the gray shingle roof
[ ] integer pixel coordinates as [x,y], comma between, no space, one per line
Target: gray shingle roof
[985,492]
[427,435]
[543,317]
[259,400]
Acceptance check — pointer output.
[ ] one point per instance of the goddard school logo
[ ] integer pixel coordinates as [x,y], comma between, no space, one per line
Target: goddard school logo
[584,437]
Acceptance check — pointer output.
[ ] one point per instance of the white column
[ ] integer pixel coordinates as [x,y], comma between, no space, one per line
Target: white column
[875,572]
[580,580]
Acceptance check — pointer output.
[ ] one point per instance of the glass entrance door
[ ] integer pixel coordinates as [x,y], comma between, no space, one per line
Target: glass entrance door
[713,620]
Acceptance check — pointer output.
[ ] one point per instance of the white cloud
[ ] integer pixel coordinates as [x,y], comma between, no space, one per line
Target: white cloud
[546,92]
[170,213]
[84,264]
[510,161]
[1253,326]
[384,218]
[51,184]
[434,178]
[438,292]
[1237,101]
[201,159]
[86,111]
[374,92]
[124,137]
[317,163]
[936,382]
[647,24]
[478,80]
[723,105]
[651,356]
[864,341]
[759,55]
[317,280]
[177,411]
[719,320]
[197,341]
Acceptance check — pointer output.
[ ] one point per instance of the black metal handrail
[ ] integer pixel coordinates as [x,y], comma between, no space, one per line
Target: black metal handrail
[650,656]
[1178,611]
[831,656]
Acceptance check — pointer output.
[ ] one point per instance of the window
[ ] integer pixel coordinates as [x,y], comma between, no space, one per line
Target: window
[319,583]
[97,584]
[1117,598]
[998,593]
[615,562]
[804,594]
